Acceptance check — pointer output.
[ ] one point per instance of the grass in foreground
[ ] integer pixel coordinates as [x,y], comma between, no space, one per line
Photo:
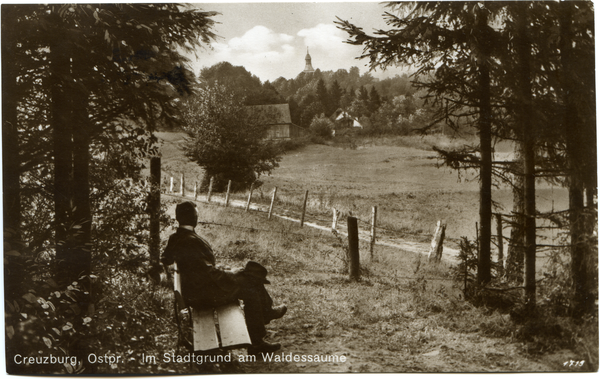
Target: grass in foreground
[403,316]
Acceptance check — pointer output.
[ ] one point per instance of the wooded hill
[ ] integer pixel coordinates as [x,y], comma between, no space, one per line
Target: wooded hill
[388,106]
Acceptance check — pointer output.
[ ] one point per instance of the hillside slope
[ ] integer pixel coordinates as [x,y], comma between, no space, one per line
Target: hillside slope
[409,189]
[405,315]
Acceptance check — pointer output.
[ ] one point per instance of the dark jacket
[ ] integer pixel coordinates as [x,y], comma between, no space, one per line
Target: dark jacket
[202,284]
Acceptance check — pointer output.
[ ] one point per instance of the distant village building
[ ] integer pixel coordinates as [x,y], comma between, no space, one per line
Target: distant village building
[308,67]
[277,117]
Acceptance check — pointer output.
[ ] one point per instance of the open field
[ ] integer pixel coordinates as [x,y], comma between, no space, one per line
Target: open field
[411,192]
[404,315]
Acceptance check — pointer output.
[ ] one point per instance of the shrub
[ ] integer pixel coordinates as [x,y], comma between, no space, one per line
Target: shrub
[228,139]
[322,127]
[41,318]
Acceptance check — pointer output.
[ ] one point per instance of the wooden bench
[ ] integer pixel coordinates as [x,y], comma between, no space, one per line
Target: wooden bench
[223,327]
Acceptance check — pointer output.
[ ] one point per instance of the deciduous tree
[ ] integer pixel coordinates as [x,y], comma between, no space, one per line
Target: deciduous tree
[227,138]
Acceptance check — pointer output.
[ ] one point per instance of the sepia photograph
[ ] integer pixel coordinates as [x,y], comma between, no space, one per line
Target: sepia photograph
[299,188]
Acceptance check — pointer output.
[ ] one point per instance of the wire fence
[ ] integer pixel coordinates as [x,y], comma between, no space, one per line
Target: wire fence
[293,206]
[317,220]
[287,232]
[295,216]
[295,209]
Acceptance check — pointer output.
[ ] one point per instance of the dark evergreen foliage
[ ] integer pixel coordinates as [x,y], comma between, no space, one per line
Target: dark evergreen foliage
[242,82]
[87,86]
[514,70]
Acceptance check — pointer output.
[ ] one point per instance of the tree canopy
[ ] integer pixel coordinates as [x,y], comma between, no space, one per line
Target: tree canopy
[239,80]
[84,86]
[228,138]
[504,66]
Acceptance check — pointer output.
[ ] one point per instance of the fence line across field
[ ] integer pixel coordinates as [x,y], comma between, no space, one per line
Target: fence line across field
[436,245]
[353,235]
[500,222]
[435,250]
[372,223]
[301,215]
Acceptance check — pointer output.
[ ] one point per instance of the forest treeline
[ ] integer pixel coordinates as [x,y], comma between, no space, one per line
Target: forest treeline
[84,88]
[382,106]
[521,72]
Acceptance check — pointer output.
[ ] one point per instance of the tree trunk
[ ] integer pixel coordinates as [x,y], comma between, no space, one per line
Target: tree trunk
[575,144]
[528,128]
[82,254]
[154,210]
[11,160]
[530,221]
[516,246]
[578,247]
[485,141]
[61,120]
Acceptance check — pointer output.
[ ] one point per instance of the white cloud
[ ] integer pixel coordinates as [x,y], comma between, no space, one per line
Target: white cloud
[324,37]
[258,50]
[259,39]
[269,55]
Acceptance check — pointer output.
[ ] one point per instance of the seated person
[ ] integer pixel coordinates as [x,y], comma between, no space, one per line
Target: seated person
[206,286]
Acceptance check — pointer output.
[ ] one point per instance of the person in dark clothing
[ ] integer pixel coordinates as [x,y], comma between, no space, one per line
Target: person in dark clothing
[203,285]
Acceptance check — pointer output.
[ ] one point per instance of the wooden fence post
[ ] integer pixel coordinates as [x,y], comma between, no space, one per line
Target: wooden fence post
[227,195]
[210,184]
[272,202]
[477,238]
[195,191]
[373,223]
[354,254]
[335,218]
[154,210]
[171,186]
[477,245]
[304,209]
[249,197]
[466,273]
[437,243]
[500,242]
[182,185]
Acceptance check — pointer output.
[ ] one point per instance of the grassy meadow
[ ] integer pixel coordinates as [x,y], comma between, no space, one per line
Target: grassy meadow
[400,175]
[404,315]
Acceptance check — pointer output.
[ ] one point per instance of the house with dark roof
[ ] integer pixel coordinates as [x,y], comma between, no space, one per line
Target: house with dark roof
[277,117]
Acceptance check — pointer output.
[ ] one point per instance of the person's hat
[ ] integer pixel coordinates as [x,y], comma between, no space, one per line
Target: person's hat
[185,213]
[256,270]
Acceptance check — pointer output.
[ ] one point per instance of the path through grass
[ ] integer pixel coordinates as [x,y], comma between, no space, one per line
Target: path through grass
[403,316]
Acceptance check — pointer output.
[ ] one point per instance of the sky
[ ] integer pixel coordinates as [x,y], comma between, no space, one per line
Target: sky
[271,39]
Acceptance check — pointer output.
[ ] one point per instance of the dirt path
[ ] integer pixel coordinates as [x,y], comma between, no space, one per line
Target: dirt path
[455,353]
[411,341]
[447,352]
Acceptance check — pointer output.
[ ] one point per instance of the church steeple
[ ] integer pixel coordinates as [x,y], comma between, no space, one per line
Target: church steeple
[308,67]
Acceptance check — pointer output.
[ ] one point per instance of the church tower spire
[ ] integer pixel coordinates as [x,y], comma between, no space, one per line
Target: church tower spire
[308,67]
